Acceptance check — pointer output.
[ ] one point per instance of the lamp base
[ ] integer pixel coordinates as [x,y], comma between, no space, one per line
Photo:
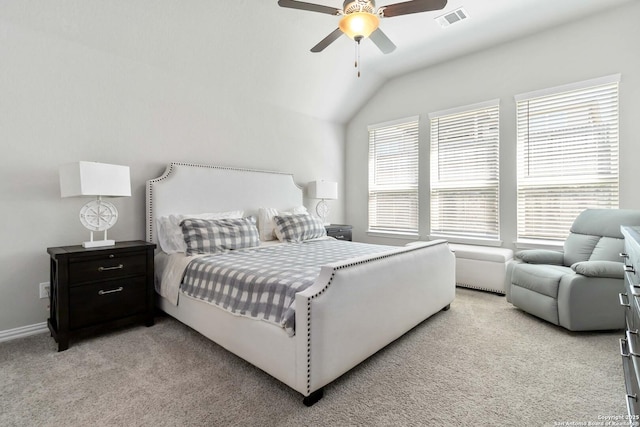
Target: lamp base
[98,215]
[98,243]
[322,210]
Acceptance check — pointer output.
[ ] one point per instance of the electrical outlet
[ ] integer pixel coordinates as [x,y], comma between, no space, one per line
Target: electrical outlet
[44,290]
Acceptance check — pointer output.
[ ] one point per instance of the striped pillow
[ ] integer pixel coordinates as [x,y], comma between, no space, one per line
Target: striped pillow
[204,236]
[298,227]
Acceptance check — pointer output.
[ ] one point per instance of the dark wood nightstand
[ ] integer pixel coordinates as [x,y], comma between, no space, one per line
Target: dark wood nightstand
[97,289]
[339,231]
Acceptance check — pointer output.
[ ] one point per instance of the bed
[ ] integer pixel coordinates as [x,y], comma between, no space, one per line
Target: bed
[352,309]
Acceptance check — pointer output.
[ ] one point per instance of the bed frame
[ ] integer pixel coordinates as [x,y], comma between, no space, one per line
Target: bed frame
[353,309]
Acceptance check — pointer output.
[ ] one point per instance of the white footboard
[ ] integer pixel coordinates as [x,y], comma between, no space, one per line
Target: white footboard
[354,309]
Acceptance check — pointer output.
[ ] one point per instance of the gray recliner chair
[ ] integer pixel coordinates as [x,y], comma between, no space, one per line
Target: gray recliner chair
[576,288]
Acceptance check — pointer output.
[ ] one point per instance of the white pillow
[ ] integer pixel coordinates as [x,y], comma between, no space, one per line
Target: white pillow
[266,224]
[170,235]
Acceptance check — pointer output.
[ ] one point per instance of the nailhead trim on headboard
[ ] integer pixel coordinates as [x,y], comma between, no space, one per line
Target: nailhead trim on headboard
[170,170]
[340,267]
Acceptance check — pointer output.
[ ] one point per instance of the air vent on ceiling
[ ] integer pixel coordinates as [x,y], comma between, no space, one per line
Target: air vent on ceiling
[452,17]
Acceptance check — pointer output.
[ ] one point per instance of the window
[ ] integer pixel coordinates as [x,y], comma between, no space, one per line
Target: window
[393,177]
[465,184]
[567,156]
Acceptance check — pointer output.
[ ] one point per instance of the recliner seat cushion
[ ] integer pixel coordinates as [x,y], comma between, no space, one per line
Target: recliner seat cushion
[540,278]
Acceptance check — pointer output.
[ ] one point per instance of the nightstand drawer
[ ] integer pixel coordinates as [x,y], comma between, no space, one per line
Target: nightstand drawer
[108,266]
[341,235]
[340,232]
[103,301]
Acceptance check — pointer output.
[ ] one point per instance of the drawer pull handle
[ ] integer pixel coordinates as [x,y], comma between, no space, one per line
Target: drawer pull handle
[629,269]
[623,255]
[623,349]
[101,292]
[117,267]
[621,297]
[628,401]
[623,342]
[629,346]
[634,290]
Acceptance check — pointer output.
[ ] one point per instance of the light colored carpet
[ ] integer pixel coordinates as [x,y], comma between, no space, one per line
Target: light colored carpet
[482,363]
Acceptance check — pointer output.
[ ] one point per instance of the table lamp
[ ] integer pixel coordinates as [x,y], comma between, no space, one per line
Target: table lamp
[324,190]
[99,180]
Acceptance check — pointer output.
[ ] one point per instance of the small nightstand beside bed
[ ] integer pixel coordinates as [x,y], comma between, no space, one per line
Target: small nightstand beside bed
[339,231]
[95,289]
[344,301]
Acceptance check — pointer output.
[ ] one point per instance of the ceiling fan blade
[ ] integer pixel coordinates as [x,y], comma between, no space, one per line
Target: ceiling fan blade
[382,41]
[309,6]
[327,41]
[413,6]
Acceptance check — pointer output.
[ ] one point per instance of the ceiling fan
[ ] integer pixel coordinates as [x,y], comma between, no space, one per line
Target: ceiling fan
[360,19]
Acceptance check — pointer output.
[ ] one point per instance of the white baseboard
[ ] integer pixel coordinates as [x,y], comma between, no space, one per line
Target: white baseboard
[23,331]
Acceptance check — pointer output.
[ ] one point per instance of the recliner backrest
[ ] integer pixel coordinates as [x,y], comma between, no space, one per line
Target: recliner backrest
[595,235]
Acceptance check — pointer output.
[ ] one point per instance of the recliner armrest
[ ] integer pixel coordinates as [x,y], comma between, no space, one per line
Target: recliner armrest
[541,256]
[611,269]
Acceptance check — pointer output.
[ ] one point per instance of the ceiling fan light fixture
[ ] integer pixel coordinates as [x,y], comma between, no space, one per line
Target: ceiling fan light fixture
[359,24]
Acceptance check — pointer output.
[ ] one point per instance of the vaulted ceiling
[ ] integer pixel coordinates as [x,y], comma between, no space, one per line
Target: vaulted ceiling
[262,50]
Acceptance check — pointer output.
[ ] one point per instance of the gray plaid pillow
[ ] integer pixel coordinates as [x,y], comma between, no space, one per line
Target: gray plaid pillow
[204,236]
[298,227]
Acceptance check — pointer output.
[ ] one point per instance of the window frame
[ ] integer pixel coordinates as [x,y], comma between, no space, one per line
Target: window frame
[481,122]
[381,228]
[602,117]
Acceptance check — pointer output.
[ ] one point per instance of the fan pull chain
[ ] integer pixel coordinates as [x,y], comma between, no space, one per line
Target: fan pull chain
[357,64]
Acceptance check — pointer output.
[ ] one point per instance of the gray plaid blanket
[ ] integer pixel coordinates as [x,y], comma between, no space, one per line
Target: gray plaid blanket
[262,282]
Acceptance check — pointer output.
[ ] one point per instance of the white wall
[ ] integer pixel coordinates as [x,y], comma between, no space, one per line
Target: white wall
[63,101]
[598,46]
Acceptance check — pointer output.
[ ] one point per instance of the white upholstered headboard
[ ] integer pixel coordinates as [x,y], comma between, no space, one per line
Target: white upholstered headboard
[186,188]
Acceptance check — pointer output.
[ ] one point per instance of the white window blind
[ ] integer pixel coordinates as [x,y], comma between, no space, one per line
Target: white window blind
[465,181]
[567,156]
[393,176]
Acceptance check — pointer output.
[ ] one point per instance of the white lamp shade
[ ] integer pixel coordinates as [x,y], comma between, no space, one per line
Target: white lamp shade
[323,190]
[94,179]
